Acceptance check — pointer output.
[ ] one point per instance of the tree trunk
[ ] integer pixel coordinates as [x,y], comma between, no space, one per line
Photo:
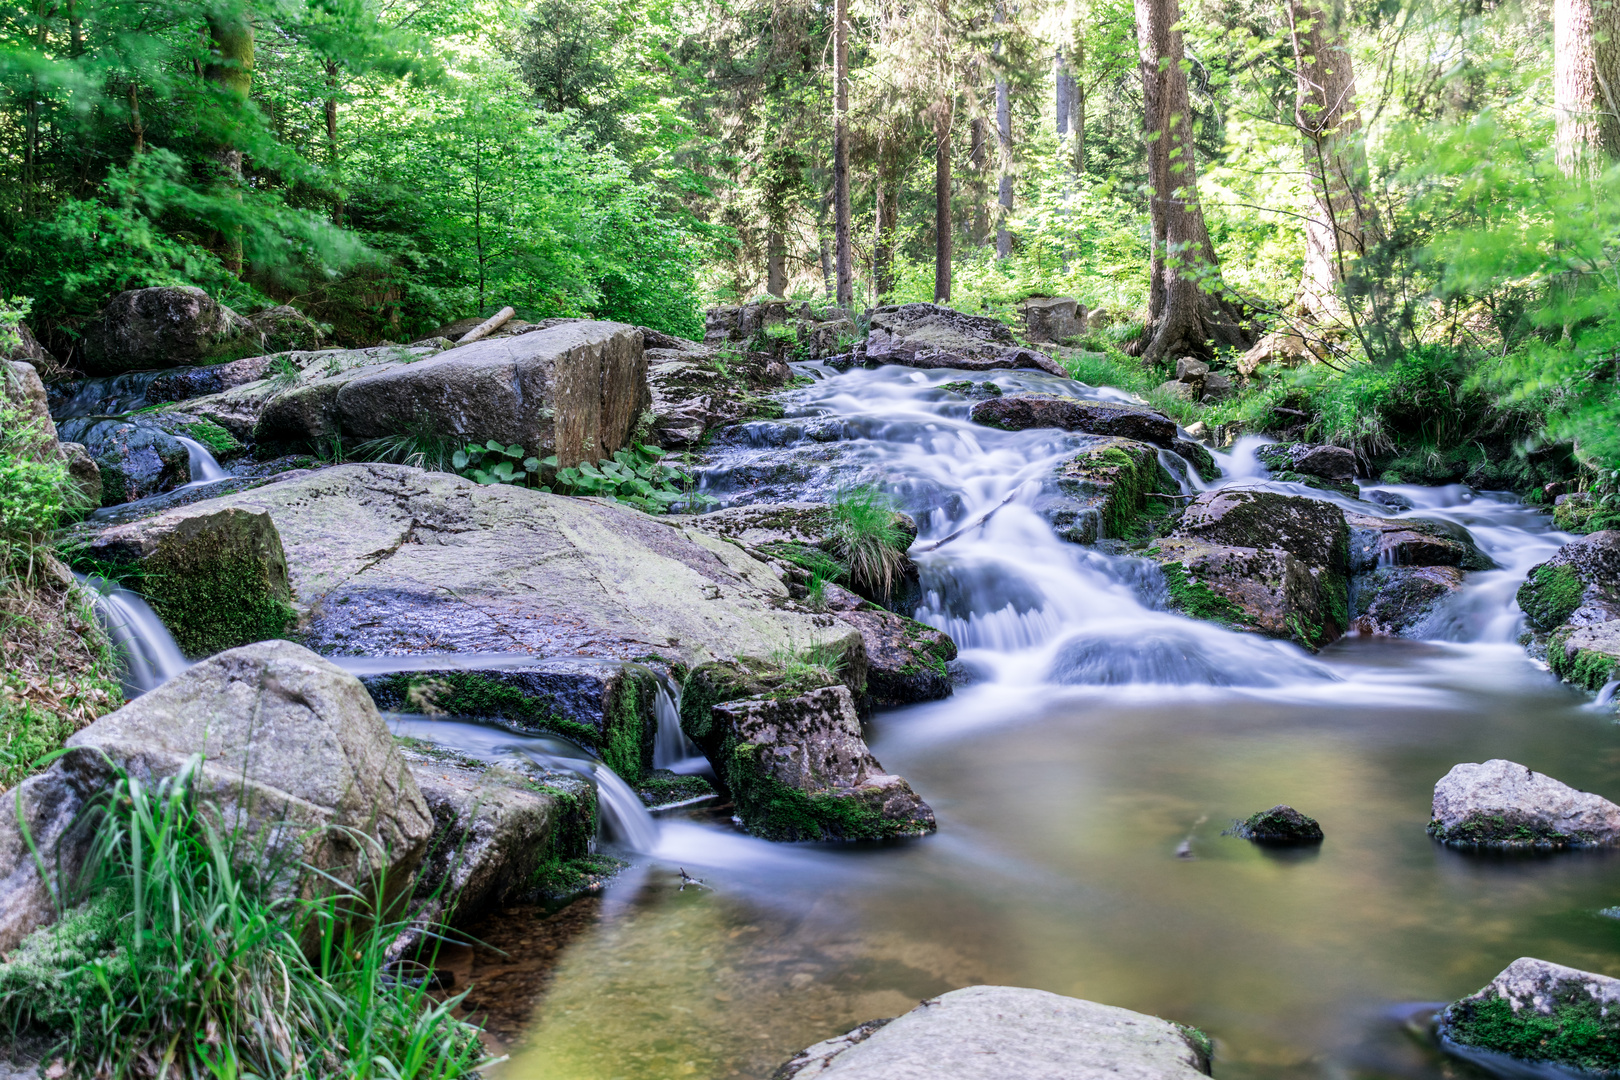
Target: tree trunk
[943,110]
[230,67]
[1335,160]
[775,261]
[1004,185]
[1586,85]
[979,230]
[1080,129]
[136,127]
[1185,309]
[890,180]
[846,261]
[1060,97]
[331,138]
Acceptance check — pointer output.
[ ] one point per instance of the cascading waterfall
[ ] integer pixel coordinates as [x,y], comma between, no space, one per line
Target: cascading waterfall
[1022,603]
[623,819]
[671,748]
[146,648]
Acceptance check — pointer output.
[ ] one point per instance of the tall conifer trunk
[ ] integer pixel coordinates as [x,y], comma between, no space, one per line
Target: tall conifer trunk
[1586,84]
[230,67]
[943,116]
[1335,160]
[841,237]
[1185,309]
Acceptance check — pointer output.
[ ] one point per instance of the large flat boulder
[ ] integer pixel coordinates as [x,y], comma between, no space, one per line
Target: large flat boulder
[1261,560]
[294,752]
[933,336]
[1504,805]
[1543,1013]
[160,327]
[574,390]
[1007,1032]
[1020,412]
[388,559]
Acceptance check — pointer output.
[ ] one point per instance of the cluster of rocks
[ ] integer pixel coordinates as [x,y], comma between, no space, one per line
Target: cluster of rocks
[1195,381]
[1059,320]
[1572,605]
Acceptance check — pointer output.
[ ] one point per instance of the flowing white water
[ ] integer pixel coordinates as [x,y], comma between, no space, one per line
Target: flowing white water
[204,468]
[623,817]
[671,748]
[145,647]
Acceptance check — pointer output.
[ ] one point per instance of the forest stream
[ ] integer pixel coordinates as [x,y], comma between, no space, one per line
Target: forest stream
[1082,778]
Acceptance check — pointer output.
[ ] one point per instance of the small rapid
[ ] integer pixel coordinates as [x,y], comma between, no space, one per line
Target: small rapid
[146,650]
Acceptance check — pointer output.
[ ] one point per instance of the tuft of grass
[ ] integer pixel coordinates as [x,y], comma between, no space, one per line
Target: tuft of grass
[866,537]
[180,957]
[418,448]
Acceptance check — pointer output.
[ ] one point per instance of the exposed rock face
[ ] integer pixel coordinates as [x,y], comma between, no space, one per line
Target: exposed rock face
[1101,490]
[1575,598]
[931,336]
[22,389]
[1376,541]
[306,409]
[1261,560]
[161,327]
[218,579]
[184,383]
[1399,601]
[84,471]
[386,559]
[1020,412]
[1539,1011]
[493,830]
[1502,804]
[905,659]
[1281,826]
[1052,318]
[798,769]
[1579,585]
[695,389]
[575,390]
[28,350]
[605,707]
[1331,468]
[1003,1032]
[1280,348]
[295,753]
[134,459]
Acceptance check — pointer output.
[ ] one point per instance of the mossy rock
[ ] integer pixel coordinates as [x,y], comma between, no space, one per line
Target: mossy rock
[1549,595]
[1105,490]
[1588,656]
[1281,826]
[1540,1012]
[217,580]
[604,707]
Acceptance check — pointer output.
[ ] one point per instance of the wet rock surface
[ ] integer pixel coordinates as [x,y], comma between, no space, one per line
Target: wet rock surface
[931,336]
[1541,1012]
[1261,560]
[1504,805]
[1101,490]
[798,769]
[134,459]
[696,388]
[1020,412]
[1412,541]
[1000,1032]
[1400,601]
[1574,600]
[290,739]
[217,579]
[387,559]
[1281,826]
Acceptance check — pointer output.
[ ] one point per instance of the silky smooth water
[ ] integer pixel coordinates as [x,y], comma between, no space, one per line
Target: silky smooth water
[1081,783]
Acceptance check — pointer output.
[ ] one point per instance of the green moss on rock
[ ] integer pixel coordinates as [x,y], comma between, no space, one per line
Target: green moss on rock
[1197,600]
[1550,595]
[1482,830]
[220,581]
[1578,1031]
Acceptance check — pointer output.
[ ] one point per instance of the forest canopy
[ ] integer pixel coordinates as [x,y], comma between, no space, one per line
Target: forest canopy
[1422,193]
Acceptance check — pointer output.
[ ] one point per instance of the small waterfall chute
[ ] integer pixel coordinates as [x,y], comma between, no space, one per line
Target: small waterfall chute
[205,469]
[145,646]
[672,749]
[622,818]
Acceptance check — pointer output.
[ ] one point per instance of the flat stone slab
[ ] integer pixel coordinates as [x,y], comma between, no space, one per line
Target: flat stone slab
[1504,805]
[1007,1033]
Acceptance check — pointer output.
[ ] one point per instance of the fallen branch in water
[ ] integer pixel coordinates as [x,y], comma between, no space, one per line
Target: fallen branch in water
[1162,495]
[937,544]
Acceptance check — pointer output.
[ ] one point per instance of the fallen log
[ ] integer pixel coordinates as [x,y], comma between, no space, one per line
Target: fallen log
[487,327]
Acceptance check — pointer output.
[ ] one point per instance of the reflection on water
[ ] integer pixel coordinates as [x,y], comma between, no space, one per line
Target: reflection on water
[1055,867]
[1103,735]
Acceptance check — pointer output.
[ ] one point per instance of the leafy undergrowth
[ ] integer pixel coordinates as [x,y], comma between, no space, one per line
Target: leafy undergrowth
[178,960]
